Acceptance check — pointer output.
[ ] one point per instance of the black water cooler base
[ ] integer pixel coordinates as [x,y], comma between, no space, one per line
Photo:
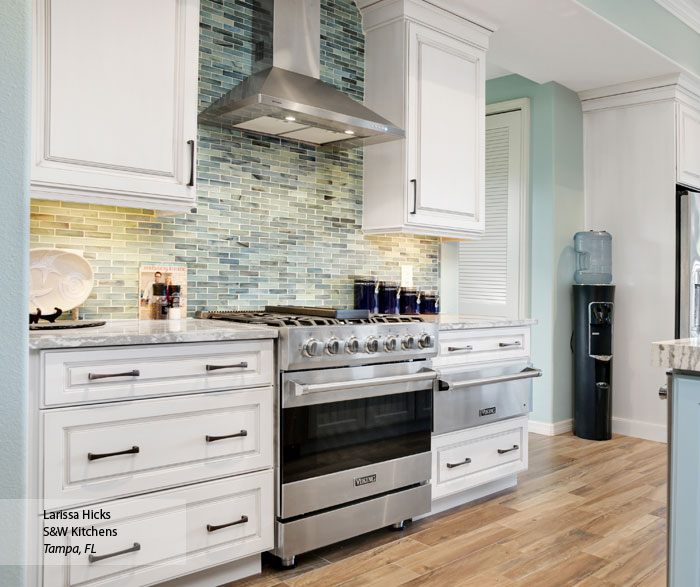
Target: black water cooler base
[593,326]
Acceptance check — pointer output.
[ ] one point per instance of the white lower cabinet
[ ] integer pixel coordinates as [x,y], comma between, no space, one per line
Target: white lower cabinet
[160,466]
[475,456]
[167,534]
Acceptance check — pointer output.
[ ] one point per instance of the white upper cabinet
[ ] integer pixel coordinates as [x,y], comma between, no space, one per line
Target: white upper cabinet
[424,71]
[115,102]
[688,166]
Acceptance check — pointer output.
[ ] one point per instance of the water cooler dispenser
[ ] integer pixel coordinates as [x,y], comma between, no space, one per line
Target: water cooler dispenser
[594,305]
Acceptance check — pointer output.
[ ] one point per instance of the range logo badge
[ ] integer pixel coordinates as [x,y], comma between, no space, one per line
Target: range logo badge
[366,480]
[487,411]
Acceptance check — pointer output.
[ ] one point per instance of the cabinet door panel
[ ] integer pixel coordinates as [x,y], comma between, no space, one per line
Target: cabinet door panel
[115,100]
[689,146]
[446,131]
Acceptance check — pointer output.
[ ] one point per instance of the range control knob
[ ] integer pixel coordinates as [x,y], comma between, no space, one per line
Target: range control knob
[313,348]
[352,345]
[334,346]
[391,343]
[371,344]
[426,341]
[409,342]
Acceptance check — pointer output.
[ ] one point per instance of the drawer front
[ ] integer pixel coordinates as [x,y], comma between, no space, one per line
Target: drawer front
[111,373]
[497,398]
[102,452]
[461,347]
[166,534]
[465,459]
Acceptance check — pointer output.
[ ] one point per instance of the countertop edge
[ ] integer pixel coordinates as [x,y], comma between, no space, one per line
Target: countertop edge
[681,354]
[218,332]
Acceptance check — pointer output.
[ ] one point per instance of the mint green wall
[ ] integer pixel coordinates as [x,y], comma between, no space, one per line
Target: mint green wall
[556,213]
[655,26]
[15,84]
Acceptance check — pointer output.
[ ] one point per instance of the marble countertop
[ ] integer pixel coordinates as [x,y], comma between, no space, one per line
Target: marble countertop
[128,332]
[683,354]
[466,321]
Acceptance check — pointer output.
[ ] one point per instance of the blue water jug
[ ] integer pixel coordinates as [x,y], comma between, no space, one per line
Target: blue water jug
[593,257]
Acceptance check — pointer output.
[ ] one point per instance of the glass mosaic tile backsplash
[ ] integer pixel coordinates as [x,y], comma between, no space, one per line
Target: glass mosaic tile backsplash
[277,221]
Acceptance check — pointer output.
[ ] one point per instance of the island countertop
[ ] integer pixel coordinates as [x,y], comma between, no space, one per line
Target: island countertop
[467,322]
[132,332]
[682,354]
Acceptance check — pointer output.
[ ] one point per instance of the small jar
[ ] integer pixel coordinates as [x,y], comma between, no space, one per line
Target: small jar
[408,301]
[365,290]
[429,302]
[388,297]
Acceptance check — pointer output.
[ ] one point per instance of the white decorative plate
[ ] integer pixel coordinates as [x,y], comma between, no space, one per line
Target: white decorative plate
[58,279]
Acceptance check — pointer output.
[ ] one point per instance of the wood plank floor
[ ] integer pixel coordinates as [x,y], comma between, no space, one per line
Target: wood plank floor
[589,514]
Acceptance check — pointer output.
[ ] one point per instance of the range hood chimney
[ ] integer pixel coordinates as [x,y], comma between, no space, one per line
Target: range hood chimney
[286,98]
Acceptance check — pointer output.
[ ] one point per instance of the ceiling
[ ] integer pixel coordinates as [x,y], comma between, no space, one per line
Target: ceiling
[561,41]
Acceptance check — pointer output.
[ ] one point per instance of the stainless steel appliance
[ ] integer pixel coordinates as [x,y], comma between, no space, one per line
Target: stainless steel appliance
[354,419]
[285,97]
[472,396]
[687,263]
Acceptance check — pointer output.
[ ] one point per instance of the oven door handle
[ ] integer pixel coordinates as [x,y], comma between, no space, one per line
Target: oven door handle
[308,388]
[527,373]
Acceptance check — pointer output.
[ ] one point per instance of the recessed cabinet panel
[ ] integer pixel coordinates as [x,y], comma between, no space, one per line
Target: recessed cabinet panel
[88,70]
[445,157]
[689,146]
[115,90]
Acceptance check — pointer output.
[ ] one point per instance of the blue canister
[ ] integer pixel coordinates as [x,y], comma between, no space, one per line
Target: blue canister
[408,301]
[365,289]
[388,297]
[429,302]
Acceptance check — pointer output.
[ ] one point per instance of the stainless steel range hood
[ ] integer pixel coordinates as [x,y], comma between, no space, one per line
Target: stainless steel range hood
[286,98]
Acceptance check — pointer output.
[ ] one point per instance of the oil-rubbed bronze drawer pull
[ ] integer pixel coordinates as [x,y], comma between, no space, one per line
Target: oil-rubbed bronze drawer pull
[452,349]
[241,365]
[506,344]
[93,376]
[502,451]
[93,558]
[211,528]
[236,435]
[129,451]
[464,462]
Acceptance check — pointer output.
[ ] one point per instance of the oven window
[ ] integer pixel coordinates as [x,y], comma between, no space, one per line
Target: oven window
[327,438]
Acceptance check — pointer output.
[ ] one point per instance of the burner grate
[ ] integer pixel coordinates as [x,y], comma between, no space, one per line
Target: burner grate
[284,320]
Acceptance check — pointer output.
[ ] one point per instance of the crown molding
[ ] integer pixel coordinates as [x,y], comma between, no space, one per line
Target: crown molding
[677,86]
[687,11]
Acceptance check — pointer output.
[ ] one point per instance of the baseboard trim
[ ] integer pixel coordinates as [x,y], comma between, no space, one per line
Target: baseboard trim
[638,429]
[550,429]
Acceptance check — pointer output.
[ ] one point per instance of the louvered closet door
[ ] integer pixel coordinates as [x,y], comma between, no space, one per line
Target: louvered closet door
[490,268]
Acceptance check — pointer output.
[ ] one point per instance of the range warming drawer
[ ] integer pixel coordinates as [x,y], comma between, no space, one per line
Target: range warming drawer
[471,397]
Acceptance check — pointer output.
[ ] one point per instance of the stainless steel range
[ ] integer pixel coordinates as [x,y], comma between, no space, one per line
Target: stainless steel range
[354,419]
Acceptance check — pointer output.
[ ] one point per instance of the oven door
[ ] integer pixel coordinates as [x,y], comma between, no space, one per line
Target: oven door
[470,397]
[352,433]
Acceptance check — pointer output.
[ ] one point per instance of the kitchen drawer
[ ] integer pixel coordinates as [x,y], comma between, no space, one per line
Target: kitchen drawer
[112,373]
[460,347]
[164,442]
[168,534]
[471,457]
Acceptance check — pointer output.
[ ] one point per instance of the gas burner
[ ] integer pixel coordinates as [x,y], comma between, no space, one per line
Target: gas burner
[270,319]
[285,316]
